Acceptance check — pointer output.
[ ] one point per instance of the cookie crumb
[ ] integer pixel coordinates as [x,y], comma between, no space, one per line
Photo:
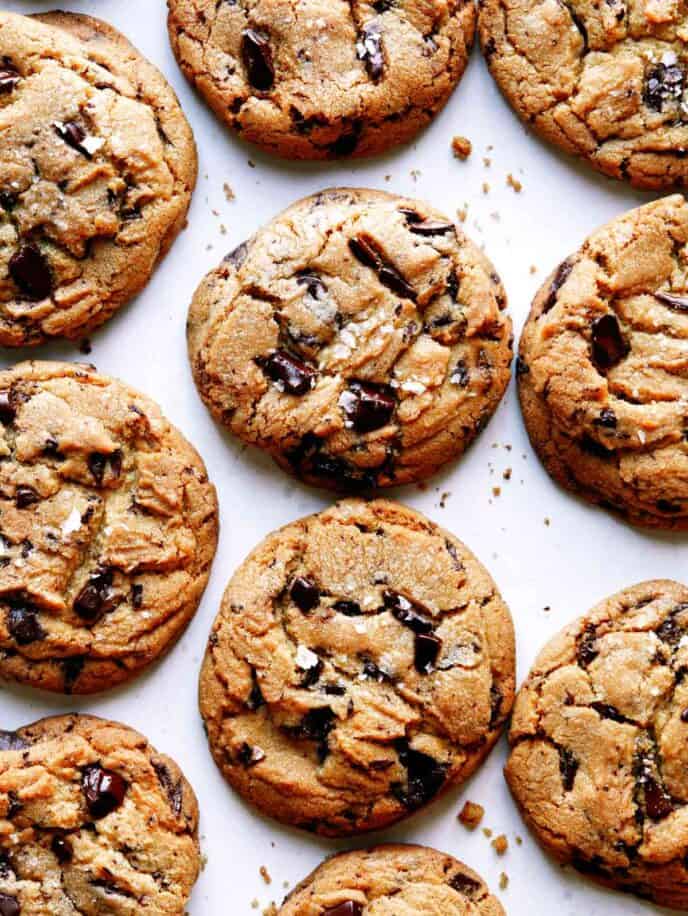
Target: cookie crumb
[471,815]
[229,193]
[487,832]
[500,844]
[486,187]
[547,522]
[503,881]
[519,840]
[270,910]
[461,147]
[265,874]
[533,269]
[415,174]
[507,474]
[462,214]
[487,162]
[514,183]
[443,498]
[496,491]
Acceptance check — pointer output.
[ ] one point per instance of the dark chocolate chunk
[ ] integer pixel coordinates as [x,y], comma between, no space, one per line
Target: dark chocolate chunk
[496,698]
[347,908]
[7,409]
[560,277]
[608,344]
[343,475]
[426,775]
[255,698]
[9,905]
[658,803]
[568,767]
[371,670]
[237,257]
[669,630]
[291,374]
[587,651]
[250,755]
[316,726]
[24,625]
[430,227]
[62,848]
[25,496]
[348,608]
[11,741]
[257,56]
[30,270]
[592,447]
[136,595]
[174,789]
[663,83]
[606,419]
[367,406]
[369,50]
[9,77]
[98,464]
[73,135]
[312,675]
[461,375]
[304,594]
[408,612]
[314,285]
[677,303]
[8,201]
[366,250]
[345,144]
[71,669]
[607,711]
[465,885]
[104,790]
[95,598]
[426,650]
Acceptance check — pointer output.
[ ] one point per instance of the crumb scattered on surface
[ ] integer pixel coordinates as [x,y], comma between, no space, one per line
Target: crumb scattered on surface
[514,183]
[519,841]
[204,861]
[487,832]
[486,187]
[533,269]
[229,193]
[547,608]
[265,874]
[503,881]
[487,162]
[462,147]
[547,522]
[443,498]
[507,474]
[415,174]
[462,213]
[496,491]
[270,910]
[500,844]
[471,815]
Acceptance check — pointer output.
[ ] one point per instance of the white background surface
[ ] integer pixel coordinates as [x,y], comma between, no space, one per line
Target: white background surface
[582,556]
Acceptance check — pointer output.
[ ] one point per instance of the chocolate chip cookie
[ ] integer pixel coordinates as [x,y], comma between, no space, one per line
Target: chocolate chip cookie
[94,821]
[97,165]
[362,661]
[360,338]
[317,80]
[601,368]
[392,880]
[599,760]
[603,81]
[108,526]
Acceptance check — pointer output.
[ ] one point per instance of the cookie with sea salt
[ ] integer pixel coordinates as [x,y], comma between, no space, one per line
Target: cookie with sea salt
[317,80]
[97,165]
[361,663]
[94,821]
[359,338]
[108,527]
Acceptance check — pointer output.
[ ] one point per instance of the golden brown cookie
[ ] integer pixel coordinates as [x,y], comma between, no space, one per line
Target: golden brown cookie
[97,165]
[362,661]
[392,880]
[603,81]
[108,527]
[601,371]
[317,80]
[360,338]
[599,759]
[94,821]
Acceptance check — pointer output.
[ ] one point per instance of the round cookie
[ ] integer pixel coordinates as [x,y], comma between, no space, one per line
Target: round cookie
[392,880]
[108,527]
[601,368]
[318,80]
[97,166]
[603,81]
[359,338]
[362,661]
[94,821]
[599,759]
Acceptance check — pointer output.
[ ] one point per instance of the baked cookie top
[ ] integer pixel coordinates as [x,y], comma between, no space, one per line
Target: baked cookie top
[97,165]
[604,81]
[316,80]
[108,526]
[359,338]
[601,370]
[362,660]
[392,880]
[599,760]
[94,821]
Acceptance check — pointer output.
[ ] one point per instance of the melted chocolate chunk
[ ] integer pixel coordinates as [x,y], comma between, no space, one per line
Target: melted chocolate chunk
[62,849]
[607,711]
[257,56]
[560,277]
[9,906]
[249,755]
[304,594]
[366,250]
[345,144]
[496,698]
[587,651]
[174,789]
[677,303]
[348,608]
[607,419]
[11,741]
[663,83]
[9,77]
[465,885]
[658,803]
[25,496]
[316,725]
[30,270]
[7,409]
[347,908]
[367,406]
[73,135]
[98,464]
[407,612]
[255,698]
[314,285]
[568,767]
[72,668]
[670,631]
[95,599]
[430,227]
[291,374]
[369,50]
[24,625]
[104,790]
[426,649]
[425,775]
[608,344]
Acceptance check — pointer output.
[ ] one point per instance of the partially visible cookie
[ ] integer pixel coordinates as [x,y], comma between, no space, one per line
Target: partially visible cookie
[392,880]
[601,371]
[360,338]
[94,821]
[362,661]
[97,165]
[108,527]
[599,736]
[603,81]
[318,80]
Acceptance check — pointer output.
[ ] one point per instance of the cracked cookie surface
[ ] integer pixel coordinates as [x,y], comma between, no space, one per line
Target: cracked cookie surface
[599,749]
[97,166]
[93,821]
[603,81]
[315,80]
[108,527]
[361,662]
[392,880]
[601,369]
[360,338]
